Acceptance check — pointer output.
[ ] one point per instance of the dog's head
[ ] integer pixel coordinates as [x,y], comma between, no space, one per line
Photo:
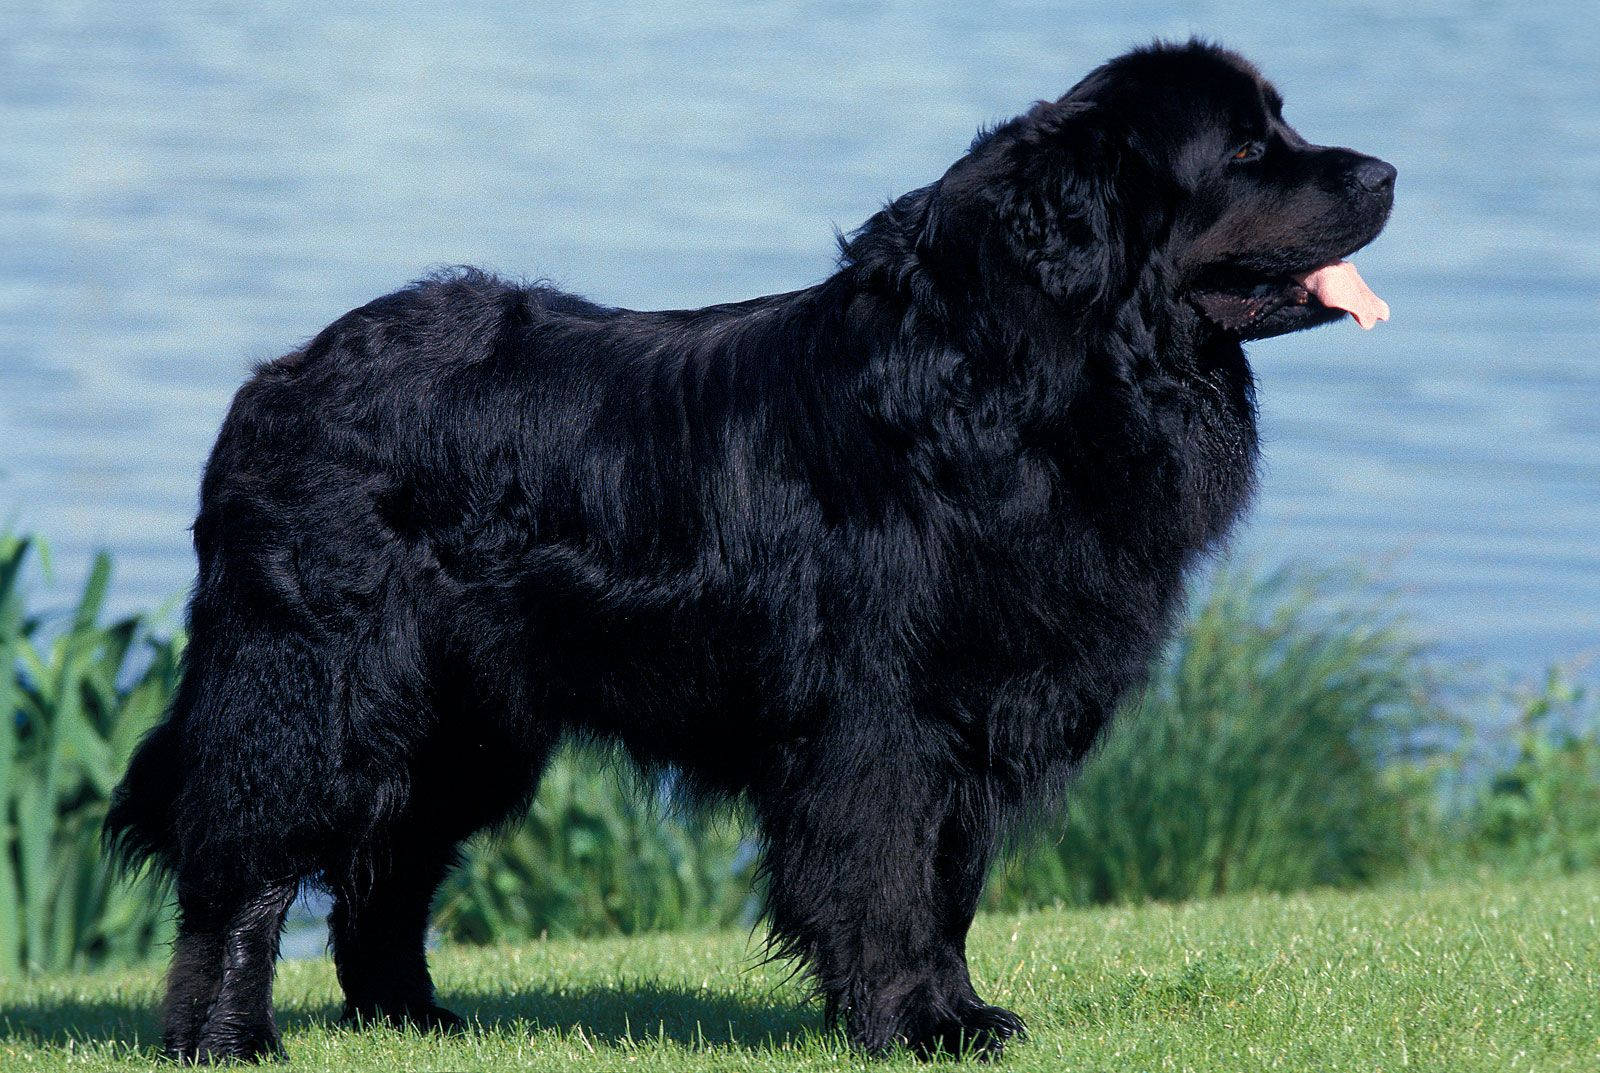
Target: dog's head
[1174,160]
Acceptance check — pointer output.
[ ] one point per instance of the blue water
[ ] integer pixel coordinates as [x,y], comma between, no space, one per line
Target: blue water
[186,189]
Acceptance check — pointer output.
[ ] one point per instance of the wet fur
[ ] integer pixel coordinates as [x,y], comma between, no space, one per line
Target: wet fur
[878,557]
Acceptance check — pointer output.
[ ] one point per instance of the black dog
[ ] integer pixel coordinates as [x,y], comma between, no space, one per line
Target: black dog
[878,557]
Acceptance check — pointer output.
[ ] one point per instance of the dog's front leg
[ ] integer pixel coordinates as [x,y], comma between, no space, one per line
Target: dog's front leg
[864,887]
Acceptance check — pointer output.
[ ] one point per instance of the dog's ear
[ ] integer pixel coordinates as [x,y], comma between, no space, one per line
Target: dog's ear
[1041,188]
[1035,192]
[1060,208]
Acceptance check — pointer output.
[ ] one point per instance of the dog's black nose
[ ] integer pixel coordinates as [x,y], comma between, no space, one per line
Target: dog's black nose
[1375,176]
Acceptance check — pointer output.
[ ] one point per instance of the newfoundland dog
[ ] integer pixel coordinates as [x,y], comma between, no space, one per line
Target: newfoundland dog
[877,558]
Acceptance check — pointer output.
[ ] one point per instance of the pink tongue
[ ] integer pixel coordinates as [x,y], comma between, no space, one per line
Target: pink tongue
[1340,286]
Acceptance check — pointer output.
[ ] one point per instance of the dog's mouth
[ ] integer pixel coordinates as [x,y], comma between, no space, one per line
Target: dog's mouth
[1245,302]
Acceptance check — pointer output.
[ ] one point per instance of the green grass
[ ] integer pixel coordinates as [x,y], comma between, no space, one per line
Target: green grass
[1463,977]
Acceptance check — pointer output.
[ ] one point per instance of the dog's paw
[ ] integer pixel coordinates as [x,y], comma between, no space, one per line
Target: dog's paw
[436,1019]
[984,1031]
[977,1031]
[234,1043]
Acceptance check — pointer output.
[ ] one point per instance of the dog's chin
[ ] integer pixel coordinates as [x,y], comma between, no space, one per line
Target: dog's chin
[1252,306]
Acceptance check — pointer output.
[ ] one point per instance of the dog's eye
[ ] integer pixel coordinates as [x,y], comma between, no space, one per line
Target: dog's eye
[1247,152]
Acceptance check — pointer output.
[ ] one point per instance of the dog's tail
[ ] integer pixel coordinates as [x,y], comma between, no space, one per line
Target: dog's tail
[139,824]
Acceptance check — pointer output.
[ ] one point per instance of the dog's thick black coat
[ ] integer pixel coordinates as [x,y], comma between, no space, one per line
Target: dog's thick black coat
[878,557]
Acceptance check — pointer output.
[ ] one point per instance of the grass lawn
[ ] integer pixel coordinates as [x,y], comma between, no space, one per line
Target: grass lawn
[1467,977]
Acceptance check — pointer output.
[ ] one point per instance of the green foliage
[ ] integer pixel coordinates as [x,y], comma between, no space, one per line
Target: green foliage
[593,859]
[1255,760]
[74,701]
[1540,814]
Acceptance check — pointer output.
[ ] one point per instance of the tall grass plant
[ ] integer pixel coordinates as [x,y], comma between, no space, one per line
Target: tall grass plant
[76,696]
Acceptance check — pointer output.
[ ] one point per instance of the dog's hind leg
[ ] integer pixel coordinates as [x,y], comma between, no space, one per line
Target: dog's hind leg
[192,982]
[378,942]
[238,1023]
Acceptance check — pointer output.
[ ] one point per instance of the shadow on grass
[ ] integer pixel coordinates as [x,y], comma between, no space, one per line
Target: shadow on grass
[605,1016]
[58,1021]
[622,1014]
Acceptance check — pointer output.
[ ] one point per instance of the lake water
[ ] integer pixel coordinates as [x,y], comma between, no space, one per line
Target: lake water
[187,190]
